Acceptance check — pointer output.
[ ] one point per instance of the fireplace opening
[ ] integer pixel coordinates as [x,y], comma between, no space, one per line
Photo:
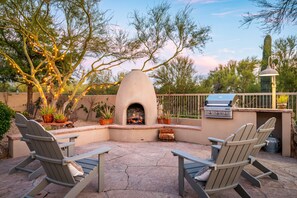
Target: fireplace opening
[135,114]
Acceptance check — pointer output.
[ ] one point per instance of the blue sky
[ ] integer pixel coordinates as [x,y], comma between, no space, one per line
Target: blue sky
[229,40]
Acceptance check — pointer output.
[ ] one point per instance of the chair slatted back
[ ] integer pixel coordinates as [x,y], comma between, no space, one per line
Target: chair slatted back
[262,133]
[49,153]
[21,123]
[232,158]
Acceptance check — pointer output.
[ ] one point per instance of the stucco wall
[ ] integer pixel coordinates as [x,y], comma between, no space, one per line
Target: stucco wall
[16,101]
[88,100]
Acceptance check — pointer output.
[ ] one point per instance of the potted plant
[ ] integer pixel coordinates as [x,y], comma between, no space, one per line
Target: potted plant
[282,101]
[47,113]
[106,115]
[60,118]
[164,118]
[104,112]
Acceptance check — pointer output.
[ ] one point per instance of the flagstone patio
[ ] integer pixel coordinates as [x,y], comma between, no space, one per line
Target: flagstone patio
[149,170]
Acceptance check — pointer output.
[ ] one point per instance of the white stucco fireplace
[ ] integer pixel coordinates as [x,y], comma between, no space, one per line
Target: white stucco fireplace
[135,110]
[136,101]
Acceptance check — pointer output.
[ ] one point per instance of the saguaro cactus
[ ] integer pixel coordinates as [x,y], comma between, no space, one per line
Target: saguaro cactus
[266,80]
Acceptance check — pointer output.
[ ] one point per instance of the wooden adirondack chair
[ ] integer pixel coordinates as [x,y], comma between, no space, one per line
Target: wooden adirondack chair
[263,133]
[21,123]
[225,170]
[56,165]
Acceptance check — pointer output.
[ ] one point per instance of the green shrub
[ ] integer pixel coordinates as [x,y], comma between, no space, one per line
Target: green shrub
[5,114]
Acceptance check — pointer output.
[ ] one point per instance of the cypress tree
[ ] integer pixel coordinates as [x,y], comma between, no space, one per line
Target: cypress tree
[266,80]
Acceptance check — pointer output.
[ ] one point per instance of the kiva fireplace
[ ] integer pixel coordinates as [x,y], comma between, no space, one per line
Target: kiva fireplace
[136,102]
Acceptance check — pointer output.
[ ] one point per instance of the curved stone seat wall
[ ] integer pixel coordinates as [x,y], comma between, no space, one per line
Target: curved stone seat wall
[99,133]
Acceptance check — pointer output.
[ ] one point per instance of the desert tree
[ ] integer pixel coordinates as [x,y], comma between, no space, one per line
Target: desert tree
[157,29]
[273,14]
[64,34]
[286,51]
[10,43]
[76,42]
[179,76]
[234,77]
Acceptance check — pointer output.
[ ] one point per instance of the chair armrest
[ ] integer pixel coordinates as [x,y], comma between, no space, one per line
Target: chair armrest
[252,159]
[192,158]
[98,151]
[66,144]
[215,140]
[217,147]
[25,139]
[74,136]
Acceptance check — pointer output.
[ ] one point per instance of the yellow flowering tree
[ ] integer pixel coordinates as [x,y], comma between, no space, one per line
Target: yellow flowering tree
[74,41]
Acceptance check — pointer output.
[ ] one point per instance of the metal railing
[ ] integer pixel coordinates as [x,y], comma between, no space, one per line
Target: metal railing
[190,105]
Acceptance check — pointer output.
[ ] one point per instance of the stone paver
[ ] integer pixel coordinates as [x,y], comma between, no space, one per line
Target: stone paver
[149,170]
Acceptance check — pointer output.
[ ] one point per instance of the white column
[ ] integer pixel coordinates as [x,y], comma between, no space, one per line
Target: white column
[273,89]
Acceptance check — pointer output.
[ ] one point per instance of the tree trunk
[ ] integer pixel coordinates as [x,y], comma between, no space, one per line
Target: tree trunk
[30,104]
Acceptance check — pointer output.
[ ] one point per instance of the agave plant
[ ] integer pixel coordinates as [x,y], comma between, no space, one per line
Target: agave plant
[107,112]
[47,110]
[103,110]
[60,117]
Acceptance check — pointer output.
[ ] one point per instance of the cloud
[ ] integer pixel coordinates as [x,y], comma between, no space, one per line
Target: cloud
[222,14]
[225,13]
[226,51]
[205,63]
[200,1]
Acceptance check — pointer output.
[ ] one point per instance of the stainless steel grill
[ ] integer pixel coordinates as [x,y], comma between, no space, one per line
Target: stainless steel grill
[219,106]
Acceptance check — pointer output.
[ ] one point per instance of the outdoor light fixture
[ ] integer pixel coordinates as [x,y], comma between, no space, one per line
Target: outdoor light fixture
[270,71]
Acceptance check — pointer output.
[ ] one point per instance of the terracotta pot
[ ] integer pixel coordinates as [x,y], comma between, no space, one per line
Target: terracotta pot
[166,121]
[163,121]
[282,105]
[160,120]
[105,121]
[48,118]
[61,120]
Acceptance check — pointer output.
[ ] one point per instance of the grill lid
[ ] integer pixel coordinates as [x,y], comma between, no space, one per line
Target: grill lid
[220,100]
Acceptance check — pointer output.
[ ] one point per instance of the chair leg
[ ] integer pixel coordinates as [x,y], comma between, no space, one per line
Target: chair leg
[36,173]
[100,173]
[71,148]
[261,167]
[214,153]
[75,190]
[241,191]
[37,188]
[181,175]
[22,164]
[197,187]
[251,178]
